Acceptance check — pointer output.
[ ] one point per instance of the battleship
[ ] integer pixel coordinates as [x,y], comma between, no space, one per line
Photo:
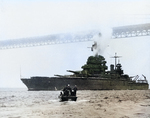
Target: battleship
[94,76]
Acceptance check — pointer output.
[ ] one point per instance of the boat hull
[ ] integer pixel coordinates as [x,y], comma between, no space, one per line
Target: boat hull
[68,98]
[58,83]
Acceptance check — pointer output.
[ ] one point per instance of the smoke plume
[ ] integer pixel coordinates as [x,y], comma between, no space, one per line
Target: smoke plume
[101,41]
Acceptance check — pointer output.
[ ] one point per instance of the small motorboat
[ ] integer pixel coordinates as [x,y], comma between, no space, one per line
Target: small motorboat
[64,97]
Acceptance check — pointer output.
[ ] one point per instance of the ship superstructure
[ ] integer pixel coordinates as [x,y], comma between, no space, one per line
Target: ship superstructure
[94,76]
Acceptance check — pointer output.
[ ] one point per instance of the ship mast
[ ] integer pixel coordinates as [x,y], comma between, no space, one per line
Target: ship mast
[116,59]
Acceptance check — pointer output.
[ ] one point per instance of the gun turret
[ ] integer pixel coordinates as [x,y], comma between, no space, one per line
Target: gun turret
[75,72]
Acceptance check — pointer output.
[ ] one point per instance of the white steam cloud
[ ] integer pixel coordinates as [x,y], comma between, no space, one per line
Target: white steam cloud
[102,40]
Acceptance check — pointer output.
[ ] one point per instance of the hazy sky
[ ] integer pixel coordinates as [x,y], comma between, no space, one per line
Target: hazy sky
[29,18]
[25,18]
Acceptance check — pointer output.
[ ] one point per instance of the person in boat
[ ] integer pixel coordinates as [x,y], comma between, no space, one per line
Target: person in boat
[67,90]
[74,90]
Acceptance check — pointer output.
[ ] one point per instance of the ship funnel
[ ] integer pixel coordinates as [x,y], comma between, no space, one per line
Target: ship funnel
[111,67]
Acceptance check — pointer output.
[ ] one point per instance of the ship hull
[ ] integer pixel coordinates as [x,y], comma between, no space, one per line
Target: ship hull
[58,83]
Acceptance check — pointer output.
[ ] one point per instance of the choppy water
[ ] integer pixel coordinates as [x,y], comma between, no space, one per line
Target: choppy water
[21,103]
[22,97]
[14,101]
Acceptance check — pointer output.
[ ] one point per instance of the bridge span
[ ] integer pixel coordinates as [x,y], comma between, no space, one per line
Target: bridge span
[47,40]
[131,31]
[117,32]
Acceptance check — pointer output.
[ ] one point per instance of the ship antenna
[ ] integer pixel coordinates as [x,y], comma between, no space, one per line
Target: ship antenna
[116,59]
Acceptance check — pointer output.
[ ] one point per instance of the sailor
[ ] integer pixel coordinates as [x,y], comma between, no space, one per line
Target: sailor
[69,89]
[75,90]
[65,91]
[65,88]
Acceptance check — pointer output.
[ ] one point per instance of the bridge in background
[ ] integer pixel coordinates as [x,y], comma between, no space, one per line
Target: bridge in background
[48,40]
[117,32]
[131,31]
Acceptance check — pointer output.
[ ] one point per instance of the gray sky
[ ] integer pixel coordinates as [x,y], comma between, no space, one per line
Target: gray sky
[26,18]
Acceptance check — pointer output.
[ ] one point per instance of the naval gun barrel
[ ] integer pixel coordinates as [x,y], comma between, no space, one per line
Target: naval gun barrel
[59,75]
[75,72]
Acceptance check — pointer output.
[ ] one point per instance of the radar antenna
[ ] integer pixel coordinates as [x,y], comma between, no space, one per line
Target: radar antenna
[116,59]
